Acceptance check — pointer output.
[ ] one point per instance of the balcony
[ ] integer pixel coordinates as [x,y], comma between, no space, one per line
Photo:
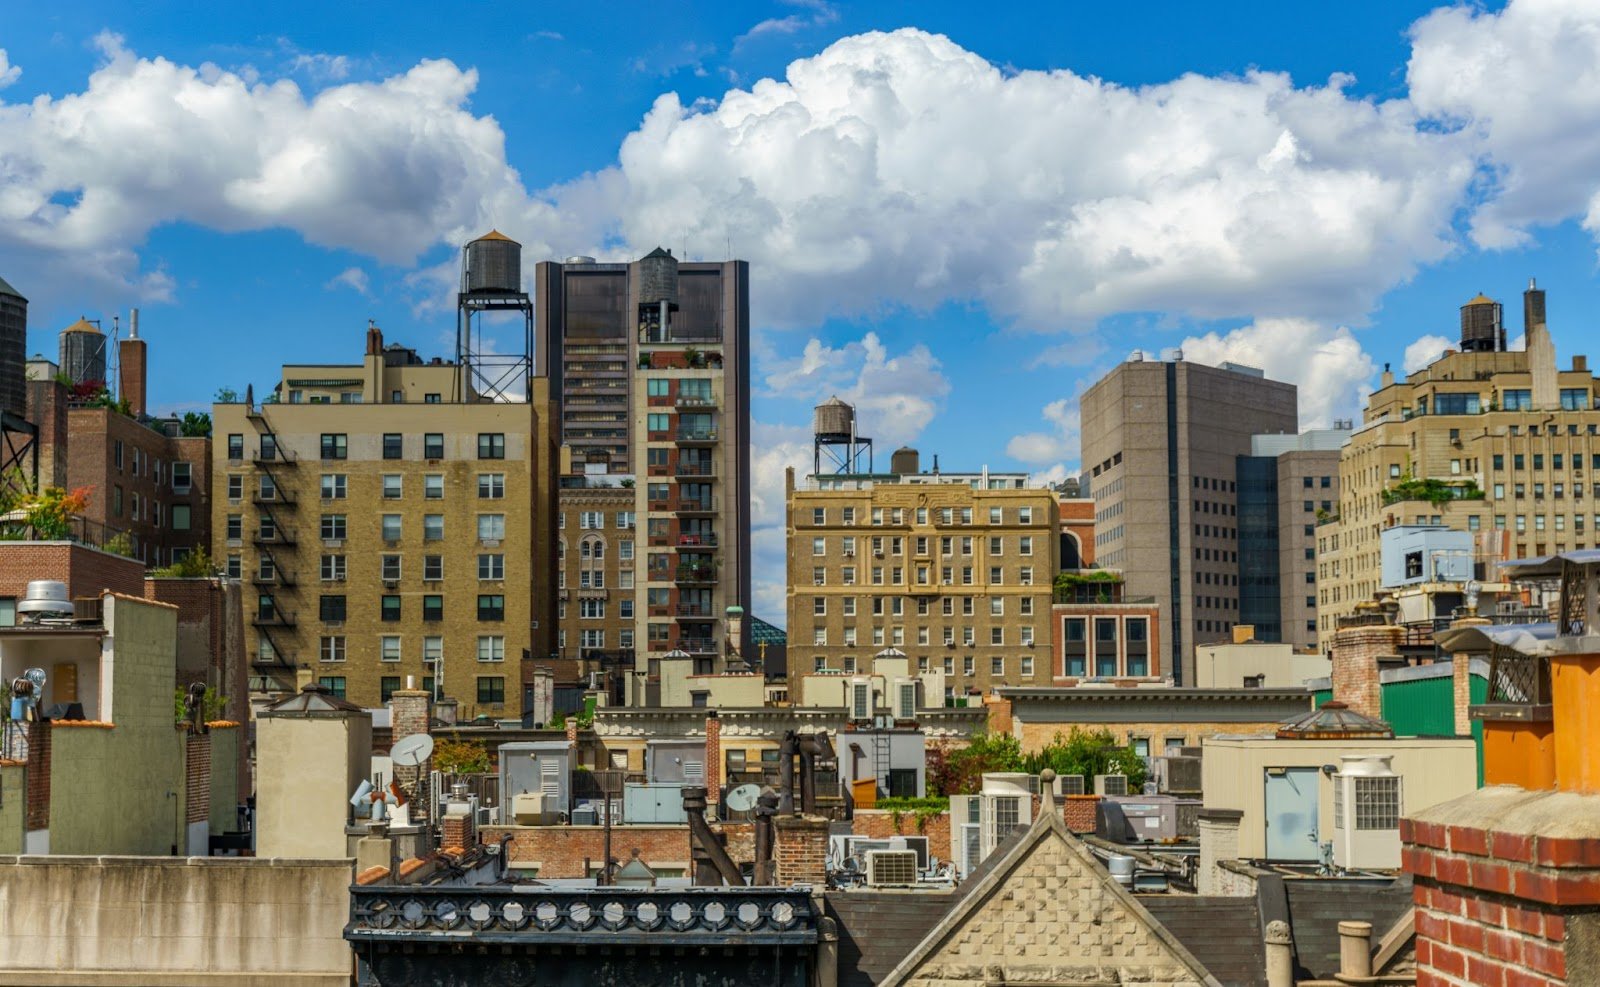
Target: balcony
[696,574]
[277,457]
[695,469]
[700,611]
[708,540]
[699,645]
[281,578]
[695,401]
[697,505]
[277,499]
[696,436]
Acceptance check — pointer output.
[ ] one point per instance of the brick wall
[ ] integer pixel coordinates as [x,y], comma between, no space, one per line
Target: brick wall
[713,754]
[801,853]
[999,711]
[86,571]
[560,851]
[456,831]
[881,824]
[1080,811]
[38,776]
[1512,894]
[1355,666]
[197,770]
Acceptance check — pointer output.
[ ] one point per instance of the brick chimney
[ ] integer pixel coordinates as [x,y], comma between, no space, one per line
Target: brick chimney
[1355,665]
[801,850]
[713,754]
[132,367]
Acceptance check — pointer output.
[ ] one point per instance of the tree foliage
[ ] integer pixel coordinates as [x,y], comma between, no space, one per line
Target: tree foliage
[1087,753]
[960,771]
[195,424]
[195,565]
[459,757]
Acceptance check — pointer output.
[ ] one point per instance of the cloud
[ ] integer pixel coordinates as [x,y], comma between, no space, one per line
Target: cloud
[550,35]
[773,449]
[1052,447]
[322,67]
[821,14]
[353,278]
[1328,365]
[8,73]
[895,397]
[1524,84]
[1424,351]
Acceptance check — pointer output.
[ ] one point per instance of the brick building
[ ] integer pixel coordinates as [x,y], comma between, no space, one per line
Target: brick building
[597,550]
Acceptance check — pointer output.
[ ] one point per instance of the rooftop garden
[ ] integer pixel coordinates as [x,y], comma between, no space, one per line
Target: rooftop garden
[1436,492]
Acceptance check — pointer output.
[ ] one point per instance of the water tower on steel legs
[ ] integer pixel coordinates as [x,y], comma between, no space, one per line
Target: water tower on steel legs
[491,286]
[835,444]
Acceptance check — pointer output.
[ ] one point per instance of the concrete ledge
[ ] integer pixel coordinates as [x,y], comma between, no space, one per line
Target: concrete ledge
[116,978]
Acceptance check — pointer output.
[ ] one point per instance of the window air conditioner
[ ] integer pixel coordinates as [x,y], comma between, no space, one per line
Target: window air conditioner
[1111,784]
[891,868]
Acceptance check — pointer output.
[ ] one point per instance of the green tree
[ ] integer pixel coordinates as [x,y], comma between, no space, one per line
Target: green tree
[459,757]
[960,771]
[195,424]
[1087,753]
[226,395]
[195,565]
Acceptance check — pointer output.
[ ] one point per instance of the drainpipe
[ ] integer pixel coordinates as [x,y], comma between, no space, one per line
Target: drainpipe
[694,804]
[1280,954]
[1355,950]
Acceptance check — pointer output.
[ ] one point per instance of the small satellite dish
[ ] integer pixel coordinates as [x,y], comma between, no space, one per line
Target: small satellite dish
[412,751]
[742,798]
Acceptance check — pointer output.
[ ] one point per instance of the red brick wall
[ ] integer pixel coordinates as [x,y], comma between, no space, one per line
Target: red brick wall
[1079,811]
[1059,611]
[1493,907]
[713,756]
[131,354]
[197,769]
[86,571]
[881,824]
[37,774]
[1355,666]
[561,851]
[801,853]
[1077,517]
[47,408]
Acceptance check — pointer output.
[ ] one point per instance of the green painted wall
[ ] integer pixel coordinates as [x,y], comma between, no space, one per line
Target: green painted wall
[13,788]
[1426,708]
[224,779]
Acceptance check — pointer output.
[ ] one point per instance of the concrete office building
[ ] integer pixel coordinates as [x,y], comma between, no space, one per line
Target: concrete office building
[1161,443]
[952,569]
[391,529]
[1287,486]
[649,370]
[1497,443]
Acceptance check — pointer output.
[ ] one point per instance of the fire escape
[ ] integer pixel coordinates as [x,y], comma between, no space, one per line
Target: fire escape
[275,543]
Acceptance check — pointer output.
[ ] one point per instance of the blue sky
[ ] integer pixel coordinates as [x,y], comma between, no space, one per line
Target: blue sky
[957,216]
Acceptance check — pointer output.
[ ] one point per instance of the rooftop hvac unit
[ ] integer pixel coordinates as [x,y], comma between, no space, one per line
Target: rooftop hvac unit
[860,699]
[586,815]
[1002,811]
[1111,784]
[905,699]
[1009,783]
[1366,814]
[891,868]
[842,847]
[1069,785]
[528,809]
[968,838]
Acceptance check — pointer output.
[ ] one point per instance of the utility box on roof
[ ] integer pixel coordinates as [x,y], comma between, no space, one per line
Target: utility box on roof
[543,766]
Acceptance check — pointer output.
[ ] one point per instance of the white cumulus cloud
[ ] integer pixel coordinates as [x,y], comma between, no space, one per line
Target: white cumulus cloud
[895,397]
[1328,365]
[8,73]
[1424,350]
[353,278]
[1059,444]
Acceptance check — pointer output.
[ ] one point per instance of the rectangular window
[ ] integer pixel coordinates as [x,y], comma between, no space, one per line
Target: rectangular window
[491,607]
[433,445]
[389,647]
[333,568]
[334,445]
[432,649]
[334,486]
[235,487]
[180,517]
[236,446]
[389,567]
[334,684]
[333,527]
[432,568]
[491,566]
[491,486]
[391,527]
[491,689]
[390,607]
[491,647]
[491,527]
[433,527]
[433,486]
[432,607]
[331,607]
[182,477]
[491,445]
[393,445]
[391,486]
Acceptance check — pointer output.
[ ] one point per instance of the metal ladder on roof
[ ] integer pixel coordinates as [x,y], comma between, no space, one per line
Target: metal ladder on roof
[880,760]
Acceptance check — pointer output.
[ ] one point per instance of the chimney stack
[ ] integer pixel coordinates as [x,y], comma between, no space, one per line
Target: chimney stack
[1541,350]
[132,369]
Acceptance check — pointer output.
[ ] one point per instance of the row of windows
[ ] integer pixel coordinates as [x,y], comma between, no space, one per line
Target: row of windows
[1558,491]
[969,665]
[142,463]
[336,486]
[595,609]
[334,607]
[596,520]
[1519,460]
[335,648]
[897,636]
[179,517]
[895,605]
[336,445]
[944,515]
[921,545]
[923,576]
[336,527]
[594,639]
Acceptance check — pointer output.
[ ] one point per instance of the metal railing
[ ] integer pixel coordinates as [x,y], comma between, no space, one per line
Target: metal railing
[697,435]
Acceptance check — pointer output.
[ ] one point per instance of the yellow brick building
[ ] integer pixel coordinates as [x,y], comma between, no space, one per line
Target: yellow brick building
[392,526]
[953,570]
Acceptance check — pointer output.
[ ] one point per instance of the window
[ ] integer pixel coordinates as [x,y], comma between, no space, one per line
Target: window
[491,445]
[491,486]
[389,607]
[491,566]
[997,666]
[331,607]
[389,567]
[819,546]
[333,568]
[391,486]
[333,527]
[432,568]
[997,606]
[819,515]
[334,684]
[491,527]
[433,486]
[491,647]
[182,477]
[592,609]
[433,527]
[1024,515]
[235,487]
[389,647]
[334,445]
[235,446]
[493,606]
[433,445]
[997,635]
[432,649]
[491,689]
[393,445]
[387,687]
[180,517]
[334,486]
[391,527]
[1025,545]
[658,422]
[433,607]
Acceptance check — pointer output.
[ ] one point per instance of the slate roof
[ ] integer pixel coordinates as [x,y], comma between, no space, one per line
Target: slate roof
[1317,907]
[1222,933]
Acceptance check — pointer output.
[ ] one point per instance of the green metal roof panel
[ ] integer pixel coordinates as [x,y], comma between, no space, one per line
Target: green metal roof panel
[762,632]
[6,289]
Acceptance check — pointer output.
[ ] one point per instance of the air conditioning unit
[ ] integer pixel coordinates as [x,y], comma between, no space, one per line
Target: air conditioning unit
[905,699]
[391,584]
[528,809]
[844,846]
[968,838]
[1183,775]
[1069,785]
[860,699]
[1111,784]
[1367,806]
[891,868]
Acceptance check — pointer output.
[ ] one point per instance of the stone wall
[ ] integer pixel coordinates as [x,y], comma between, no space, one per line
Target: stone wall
[198,921]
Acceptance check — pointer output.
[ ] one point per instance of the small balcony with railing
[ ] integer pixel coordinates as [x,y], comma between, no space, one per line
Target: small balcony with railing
[696,574]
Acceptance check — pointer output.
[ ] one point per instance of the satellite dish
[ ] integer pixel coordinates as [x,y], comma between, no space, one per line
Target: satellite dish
[412,751]
[742,798]
[36,676]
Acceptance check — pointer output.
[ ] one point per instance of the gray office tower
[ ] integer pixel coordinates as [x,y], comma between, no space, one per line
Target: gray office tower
[1161,446]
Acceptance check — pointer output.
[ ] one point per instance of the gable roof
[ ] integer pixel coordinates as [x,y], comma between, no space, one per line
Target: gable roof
[1009,859]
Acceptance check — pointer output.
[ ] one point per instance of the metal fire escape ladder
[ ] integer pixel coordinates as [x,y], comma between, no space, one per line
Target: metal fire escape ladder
[274,467]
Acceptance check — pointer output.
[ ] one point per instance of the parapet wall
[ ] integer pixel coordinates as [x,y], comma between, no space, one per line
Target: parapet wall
[161,921]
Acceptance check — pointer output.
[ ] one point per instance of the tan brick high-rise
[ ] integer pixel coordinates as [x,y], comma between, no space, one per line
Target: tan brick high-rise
[392,525]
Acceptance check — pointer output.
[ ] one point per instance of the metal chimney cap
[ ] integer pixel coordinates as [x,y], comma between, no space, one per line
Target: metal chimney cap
[45,596]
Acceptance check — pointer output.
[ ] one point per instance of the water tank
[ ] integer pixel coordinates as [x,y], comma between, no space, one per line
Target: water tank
[494,264]
[658,278]
[834,417]
[578,260]
[1121,868]
[13,349]
[905,461]
[1480,325]
[83,352]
